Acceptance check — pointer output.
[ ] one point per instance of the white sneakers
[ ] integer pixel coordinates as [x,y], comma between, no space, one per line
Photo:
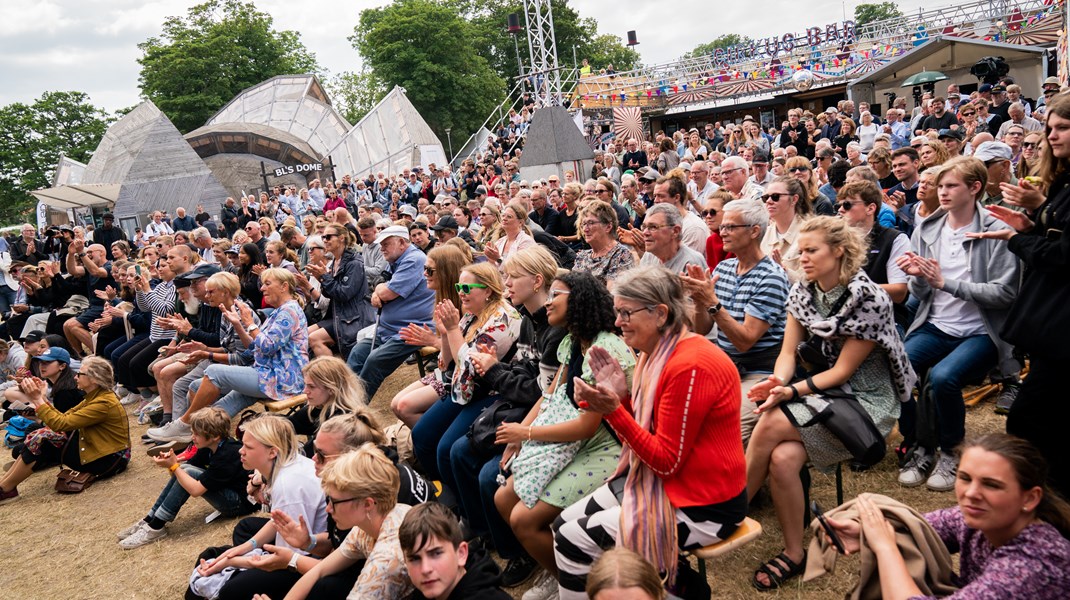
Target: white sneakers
[937,471]
[129,531]
[144,535]
[175,431]
[545,588]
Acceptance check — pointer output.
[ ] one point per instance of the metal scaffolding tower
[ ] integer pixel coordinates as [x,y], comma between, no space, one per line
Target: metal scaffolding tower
[542,45]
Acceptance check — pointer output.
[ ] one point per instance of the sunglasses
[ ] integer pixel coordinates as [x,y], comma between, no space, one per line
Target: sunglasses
[918,147]
[1030,145]
[969,114]
[845,205]
[709,212]
[797,169]
[554,293]
[774,197]
[318,454]
[429,271]
[466,288]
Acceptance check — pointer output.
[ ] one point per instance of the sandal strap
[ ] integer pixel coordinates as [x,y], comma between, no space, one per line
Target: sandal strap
[786,569]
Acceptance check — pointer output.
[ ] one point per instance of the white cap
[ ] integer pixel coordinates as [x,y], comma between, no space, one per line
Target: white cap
[392,231]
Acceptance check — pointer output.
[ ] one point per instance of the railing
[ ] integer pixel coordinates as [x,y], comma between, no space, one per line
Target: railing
[833,53]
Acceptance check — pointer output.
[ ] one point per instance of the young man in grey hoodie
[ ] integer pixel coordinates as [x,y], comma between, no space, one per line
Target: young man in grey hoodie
[965,287]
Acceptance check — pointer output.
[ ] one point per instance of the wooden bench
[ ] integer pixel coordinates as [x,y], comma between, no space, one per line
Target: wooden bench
[747,532]
[288,406]
[425,358]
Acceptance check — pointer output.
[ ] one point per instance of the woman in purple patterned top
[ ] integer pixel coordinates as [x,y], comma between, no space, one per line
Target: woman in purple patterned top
[1008,528]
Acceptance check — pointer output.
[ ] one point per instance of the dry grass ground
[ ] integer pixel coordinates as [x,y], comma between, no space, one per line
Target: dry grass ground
[65,547]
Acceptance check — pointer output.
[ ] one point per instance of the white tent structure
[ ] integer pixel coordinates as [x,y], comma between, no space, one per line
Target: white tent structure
[390,138]
[555,146]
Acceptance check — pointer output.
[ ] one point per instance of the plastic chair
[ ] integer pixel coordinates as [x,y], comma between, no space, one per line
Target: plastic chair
[747,531]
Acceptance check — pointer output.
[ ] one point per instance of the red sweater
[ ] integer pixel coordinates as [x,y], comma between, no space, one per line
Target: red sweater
[715,251]
[696,447]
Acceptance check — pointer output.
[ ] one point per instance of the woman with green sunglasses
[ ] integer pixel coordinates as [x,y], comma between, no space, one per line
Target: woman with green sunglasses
[486,323]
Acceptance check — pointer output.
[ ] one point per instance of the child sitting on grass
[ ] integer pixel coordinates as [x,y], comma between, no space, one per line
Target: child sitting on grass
[215,473]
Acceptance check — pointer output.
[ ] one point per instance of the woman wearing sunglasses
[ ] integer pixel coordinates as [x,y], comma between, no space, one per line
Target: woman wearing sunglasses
[441,270]
[1029,164]
[788,208]
[713,214]
[801,169]
[344,283]
[485,323]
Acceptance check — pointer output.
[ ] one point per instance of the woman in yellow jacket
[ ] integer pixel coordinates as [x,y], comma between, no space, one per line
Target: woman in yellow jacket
[98,431]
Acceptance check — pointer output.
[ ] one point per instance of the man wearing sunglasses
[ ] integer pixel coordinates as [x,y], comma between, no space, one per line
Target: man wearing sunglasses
[403,299]
[859,203]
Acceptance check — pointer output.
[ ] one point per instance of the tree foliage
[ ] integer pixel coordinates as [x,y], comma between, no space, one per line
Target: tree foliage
[867,13]
[427,48]
[575,36]
[204,59]
[355,94]
[32,138]
[722,41]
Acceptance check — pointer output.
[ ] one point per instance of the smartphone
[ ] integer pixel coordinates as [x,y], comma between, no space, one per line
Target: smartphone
[814,508]
[137,269]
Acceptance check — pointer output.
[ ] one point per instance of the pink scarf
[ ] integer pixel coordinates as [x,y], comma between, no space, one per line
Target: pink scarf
[647,518]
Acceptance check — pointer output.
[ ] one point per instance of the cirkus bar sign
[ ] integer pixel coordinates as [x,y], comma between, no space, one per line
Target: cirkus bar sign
[291,169]
[834,34]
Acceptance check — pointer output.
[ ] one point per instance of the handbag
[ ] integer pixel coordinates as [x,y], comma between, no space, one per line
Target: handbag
[810,354]
[841,413]
[485,428]
[70,481]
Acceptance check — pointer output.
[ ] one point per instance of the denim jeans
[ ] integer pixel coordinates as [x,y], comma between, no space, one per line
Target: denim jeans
[475,477]
[229,502]
[233,402]
[375,365]
[120,346]
[951,362]
[436,431]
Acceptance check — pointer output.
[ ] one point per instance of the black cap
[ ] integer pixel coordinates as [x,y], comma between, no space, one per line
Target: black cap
[446,222]
[201,270]
[108,217]
[34,336]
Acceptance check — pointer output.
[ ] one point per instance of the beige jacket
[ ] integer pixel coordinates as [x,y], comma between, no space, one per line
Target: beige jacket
[926,556]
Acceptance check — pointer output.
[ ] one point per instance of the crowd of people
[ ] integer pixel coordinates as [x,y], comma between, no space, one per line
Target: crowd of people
[624,359]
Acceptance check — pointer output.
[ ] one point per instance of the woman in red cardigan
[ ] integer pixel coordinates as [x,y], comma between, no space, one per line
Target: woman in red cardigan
[681,481]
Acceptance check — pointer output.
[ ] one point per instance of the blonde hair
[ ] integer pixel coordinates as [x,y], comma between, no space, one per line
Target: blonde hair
[99,372]
[969,169]
[355,429]
[837,233]
[533,260]
[225,282]
[276,432]
[365,473]
[345,392]
[488,275]
[621,568]
[284,277]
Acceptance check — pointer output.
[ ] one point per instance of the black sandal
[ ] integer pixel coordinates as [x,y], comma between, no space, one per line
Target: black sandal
[785,569]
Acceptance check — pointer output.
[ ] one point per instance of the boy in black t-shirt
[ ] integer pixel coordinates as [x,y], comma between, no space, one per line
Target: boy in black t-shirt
[215,473]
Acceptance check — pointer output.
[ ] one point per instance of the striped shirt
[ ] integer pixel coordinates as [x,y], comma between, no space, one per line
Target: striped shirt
[761,292]
[161,302]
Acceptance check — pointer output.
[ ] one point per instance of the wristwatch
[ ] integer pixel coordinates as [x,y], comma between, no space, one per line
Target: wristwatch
[250,328]
[713,310]
[292,566]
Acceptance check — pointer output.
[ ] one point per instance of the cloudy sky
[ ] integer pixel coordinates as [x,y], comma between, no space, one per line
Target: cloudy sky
[91,45]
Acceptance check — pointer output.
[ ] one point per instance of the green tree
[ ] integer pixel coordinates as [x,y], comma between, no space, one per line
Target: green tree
[722,41]
[427,48]
[355,94]
[201,61]
[32,138]
[868,13]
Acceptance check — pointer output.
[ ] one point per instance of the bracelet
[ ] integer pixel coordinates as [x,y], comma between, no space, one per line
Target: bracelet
[311,544]
[529,433]
[794,392]
[173,467]
[253,543]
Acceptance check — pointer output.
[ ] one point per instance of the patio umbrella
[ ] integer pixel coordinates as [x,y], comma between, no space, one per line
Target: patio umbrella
[923,78]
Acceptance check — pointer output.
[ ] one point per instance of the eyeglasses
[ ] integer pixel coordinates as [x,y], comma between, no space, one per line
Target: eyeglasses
[429,271]
[709,213]
[625,315]
[336,501]
[318,454]
[554,293]
[1030,145]
[729,228]
[466,288]
[724,173]
[845,205]
[797,169]
[774,197]
[652,227]
[587,224]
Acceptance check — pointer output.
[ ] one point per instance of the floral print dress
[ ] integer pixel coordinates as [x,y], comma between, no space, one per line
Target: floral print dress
[500,331]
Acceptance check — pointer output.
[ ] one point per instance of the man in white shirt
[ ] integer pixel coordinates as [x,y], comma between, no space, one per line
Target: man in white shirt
[157,227]
[672,191]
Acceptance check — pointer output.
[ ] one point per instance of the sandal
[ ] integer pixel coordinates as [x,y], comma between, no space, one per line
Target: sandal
[785,569]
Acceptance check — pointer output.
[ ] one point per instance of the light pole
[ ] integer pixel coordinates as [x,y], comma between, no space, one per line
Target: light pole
[449,141]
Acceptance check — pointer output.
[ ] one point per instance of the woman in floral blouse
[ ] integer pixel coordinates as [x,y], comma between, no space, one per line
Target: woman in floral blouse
[490,324]
[606,257]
